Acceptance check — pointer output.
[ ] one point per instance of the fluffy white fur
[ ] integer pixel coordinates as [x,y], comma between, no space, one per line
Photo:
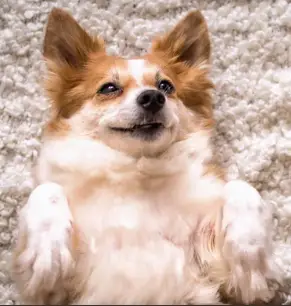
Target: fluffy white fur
[128,207]
[252,104]
[120,202]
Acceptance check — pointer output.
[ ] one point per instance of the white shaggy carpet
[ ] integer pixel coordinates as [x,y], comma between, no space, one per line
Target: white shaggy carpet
[251,70]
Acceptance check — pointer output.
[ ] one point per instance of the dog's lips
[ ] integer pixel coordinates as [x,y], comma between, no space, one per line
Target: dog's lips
[145,127]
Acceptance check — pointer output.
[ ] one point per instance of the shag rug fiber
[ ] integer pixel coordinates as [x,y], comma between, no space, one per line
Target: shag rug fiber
[251,69]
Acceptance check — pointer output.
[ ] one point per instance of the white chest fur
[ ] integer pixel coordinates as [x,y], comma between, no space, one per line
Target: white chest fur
[134,214]
[108,189]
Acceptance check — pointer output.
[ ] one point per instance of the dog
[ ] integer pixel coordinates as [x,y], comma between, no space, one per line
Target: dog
[130,205]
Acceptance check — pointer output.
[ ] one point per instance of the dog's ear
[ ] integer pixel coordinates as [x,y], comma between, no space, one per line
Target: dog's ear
[188,42]
[66,43]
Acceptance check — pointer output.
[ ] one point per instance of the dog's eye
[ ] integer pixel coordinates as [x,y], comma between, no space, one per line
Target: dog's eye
[166,86]
[108,88]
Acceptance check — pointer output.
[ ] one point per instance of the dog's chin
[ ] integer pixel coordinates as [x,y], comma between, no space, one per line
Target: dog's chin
[145,131]
[147,139]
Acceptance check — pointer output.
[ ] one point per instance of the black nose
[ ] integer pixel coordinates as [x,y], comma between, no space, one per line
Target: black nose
[151,100]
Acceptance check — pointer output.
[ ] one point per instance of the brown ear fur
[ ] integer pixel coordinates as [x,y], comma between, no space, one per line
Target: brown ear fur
[67,49]
[186,52]
[188,42]
[66,43]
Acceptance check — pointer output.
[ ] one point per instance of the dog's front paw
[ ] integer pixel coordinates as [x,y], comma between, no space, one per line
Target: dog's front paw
[43,257]
[250,261]
[247,222]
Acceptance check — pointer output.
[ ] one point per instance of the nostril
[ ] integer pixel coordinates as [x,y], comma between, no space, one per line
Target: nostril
[161,99]
[146,99]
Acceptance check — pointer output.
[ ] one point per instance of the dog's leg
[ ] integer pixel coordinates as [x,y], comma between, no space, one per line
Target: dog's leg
[247,223]
[42,258]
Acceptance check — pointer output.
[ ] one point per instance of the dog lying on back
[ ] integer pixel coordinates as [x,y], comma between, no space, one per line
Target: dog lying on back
[130,206]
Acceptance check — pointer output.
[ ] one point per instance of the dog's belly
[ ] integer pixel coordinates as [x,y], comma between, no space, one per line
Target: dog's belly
[131,246]
[131,267]
[134,234]
[136,212]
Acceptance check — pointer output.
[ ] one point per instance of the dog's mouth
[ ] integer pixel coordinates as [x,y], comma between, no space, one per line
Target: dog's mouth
[145,129]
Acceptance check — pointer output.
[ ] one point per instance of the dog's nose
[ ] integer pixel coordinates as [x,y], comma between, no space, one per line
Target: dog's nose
[151,100]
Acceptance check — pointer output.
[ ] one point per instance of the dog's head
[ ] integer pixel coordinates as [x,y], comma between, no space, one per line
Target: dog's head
[139,106]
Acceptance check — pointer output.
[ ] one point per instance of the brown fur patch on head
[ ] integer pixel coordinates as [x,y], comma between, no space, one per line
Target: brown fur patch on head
[70,89]
[67,50]
[188,42]
[66,43]
[184,55]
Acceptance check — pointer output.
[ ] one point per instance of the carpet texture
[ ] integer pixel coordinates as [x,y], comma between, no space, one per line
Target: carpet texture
[251,70]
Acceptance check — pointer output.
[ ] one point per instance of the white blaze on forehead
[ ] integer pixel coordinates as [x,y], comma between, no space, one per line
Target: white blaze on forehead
[136,68]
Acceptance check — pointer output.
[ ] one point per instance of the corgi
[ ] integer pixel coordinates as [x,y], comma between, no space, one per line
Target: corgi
[129,205]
